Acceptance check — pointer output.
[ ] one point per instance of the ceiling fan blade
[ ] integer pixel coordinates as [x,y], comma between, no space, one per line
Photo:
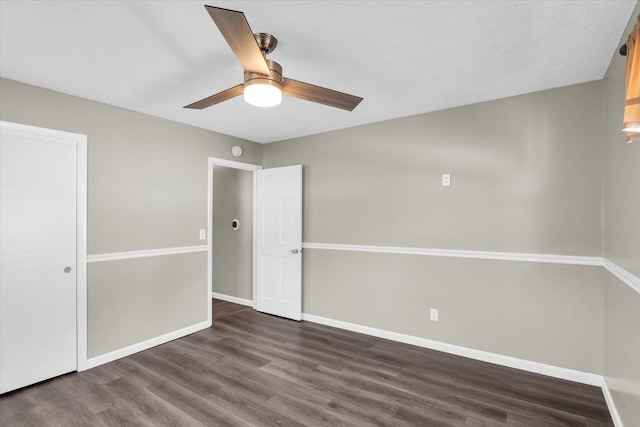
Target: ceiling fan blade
[217,98]
[236,31]
[320,95]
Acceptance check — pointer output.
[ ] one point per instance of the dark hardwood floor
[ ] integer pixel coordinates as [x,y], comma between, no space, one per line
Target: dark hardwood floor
[255,369]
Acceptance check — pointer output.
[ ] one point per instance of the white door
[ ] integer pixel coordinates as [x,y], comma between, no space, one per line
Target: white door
[279,241]
[37,258]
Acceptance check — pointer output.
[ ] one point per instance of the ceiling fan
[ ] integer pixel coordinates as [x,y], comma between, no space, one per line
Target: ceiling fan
[264,83]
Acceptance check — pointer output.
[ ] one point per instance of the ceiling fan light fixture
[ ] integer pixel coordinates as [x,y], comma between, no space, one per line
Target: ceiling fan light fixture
[262,93]
[261,90]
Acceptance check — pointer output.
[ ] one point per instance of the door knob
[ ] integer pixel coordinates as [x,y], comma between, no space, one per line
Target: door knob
[294,251]
[67,269]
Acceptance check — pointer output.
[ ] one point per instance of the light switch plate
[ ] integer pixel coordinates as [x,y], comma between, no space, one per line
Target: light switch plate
[203,234]
[446,180]
[433,314]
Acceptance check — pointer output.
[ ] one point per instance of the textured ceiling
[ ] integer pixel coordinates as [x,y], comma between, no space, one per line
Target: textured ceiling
[403,57]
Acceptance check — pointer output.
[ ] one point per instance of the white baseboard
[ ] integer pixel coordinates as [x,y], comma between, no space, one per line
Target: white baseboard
[617,420]
[229,298]
[498,359]
[145,345]
[512,362]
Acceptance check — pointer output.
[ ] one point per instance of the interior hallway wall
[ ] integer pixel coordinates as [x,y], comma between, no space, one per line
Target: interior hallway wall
[233,249]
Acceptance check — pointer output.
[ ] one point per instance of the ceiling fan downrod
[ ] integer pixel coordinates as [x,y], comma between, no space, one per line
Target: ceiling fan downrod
[267,44]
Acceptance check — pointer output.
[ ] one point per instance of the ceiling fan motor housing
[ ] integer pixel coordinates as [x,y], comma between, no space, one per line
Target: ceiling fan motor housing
[275,79]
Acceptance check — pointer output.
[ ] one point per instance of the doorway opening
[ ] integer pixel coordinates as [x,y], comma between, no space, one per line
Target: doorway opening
[231,224]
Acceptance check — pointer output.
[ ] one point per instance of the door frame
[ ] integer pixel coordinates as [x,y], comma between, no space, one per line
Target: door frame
[214,161]
[80,142]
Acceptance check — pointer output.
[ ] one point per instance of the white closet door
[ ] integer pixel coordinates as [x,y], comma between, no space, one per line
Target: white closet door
[37,258]
[279,241]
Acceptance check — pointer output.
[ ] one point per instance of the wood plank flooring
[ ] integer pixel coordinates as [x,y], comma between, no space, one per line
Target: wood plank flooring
[254,369]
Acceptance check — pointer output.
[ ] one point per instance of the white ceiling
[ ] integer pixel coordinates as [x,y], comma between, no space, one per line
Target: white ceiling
[403,57]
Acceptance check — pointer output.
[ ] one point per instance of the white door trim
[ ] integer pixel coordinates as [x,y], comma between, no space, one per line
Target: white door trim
[214,161]
[80,141]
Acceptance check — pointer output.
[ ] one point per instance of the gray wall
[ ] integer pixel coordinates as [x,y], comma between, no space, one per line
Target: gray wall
[233,249]
[147,189]
[622,348]
[547,313]
[133,300]
[526,176]
[622,246]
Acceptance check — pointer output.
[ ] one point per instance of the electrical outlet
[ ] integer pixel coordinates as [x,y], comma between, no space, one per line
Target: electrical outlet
[446,180]
[203,234]
[433,314]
